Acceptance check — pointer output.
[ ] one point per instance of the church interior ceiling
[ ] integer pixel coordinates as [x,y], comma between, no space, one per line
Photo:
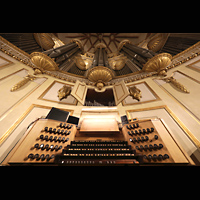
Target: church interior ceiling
[99,59]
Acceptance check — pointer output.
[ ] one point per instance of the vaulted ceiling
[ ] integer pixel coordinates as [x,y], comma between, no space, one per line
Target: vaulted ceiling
[111,40]
[175,43]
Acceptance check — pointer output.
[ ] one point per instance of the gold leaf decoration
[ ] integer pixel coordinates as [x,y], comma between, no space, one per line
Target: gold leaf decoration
[43,62]
[23,82]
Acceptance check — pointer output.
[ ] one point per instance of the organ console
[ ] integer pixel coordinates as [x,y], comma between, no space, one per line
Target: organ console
[140,142]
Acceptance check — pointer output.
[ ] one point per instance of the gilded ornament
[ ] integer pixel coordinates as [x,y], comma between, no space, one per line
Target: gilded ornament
[135,93]
[157,41]
[37,71]
[158,63]
[43,62]
[100,74]
[117,64]
[79,43]
[175,83]
[100,45]
[23,82]
[64,92]
[44,40]
[122,43]
[83,62]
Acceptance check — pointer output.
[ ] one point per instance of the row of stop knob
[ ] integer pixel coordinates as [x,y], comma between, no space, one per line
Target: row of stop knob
[149,147]
[156,157]
[143,131]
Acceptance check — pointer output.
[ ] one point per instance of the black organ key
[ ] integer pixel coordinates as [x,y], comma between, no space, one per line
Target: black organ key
[155,156]
[55,138]
[155,146]
[146,147]
[134,140]
[129,133]
[51,138]
[56,147]
[160,157]
[150,146]
[62,132]
[50,130]
[68,132]
[166,156]
[46,137]
[66,139]
[65,133]
[47,147]
[41,137]
[149,157]
[36,146]
[132,132]
[152,129]
[156,137]
[54,130]
[142,139]
[70,126]
[59,139]
[47,157]
[46,128]
[31,156]
[58,131]
[37,156]
[42,156]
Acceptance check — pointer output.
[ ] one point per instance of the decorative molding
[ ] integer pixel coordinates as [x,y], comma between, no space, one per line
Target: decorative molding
[14,52]
[175,83]
[23,82]
[8,62]
[185,55]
